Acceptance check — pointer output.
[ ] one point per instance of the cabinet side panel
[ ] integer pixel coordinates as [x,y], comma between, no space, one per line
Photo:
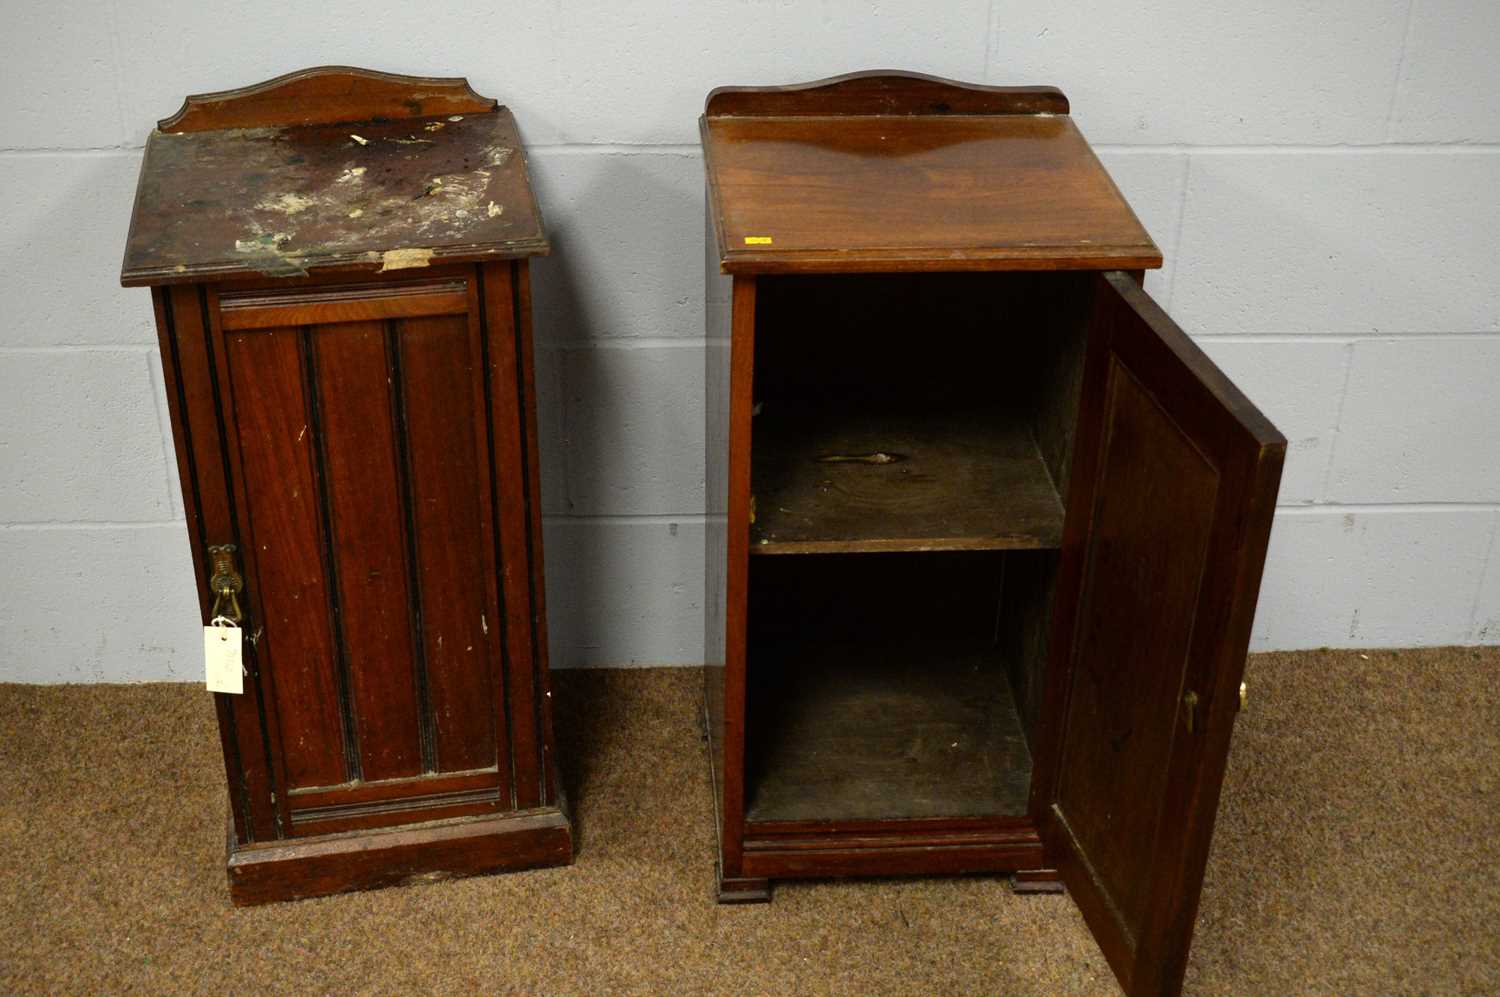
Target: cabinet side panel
[512,525]
[541,665]
[354,385]
[449,502]
[717,292]
[284,547]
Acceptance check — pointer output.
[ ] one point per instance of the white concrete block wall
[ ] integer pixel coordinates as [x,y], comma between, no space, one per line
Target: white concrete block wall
[1321,177]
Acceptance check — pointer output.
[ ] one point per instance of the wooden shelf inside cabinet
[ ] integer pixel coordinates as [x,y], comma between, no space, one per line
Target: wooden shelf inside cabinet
[339,264]
[910,730]
[830,480]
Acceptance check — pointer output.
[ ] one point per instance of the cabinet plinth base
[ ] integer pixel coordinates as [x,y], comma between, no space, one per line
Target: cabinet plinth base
[741,890]
[299,868]
[1026,881]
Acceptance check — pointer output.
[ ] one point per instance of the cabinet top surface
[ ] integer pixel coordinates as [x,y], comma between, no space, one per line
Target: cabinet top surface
[889,171]
[389,191]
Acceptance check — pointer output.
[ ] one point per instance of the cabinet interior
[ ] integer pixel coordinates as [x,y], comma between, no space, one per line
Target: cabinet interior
[910,446]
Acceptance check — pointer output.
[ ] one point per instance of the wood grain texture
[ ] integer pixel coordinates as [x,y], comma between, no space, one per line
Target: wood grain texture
[443,423]
[513,522]
[933,192]
[365,503]
[325,94]
[277,438]
[1173,488]
[828,479]
[882,91]
[341,863]
[277,308]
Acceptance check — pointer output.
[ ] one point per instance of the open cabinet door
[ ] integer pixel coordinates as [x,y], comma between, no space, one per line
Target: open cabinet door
[1174,483]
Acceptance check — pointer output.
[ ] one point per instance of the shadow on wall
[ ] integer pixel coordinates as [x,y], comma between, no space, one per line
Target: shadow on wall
[620,421]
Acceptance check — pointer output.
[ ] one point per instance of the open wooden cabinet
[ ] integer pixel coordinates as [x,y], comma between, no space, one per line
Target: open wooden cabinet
[986,527]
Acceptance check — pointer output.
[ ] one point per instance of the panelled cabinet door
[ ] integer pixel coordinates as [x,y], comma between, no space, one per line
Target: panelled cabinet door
[359,438]
[1174,484]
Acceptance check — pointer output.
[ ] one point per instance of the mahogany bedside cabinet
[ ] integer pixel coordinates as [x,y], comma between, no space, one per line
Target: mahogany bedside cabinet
[990,527]
[338,262]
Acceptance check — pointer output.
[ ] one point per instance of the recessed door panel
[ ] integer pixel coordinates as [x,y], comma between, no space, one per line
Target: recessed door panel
[289,591]
[368,517]
[447,449]
[1169,511]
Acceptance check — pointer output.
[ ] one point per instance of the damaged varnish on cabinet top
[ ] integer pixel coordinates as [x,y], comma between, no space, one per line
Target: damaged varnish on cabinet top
[415,177]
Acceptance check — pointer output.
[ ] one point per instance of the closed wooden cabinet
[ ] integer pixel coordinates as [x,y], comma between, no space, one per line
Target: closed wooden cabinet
[338,263]
[986,527]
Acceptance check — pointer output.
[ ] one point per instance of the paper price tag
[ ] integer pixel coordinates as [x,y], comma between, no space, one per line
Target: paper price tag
[223,658]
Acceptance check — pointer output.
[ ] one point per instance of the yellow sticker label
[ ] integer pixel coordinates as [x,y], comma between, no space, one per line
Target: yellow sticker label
[757,240]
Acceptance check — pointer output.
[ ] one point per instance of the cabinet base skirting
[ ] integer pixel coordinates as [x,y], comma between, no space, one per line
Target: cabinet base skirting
[893,854]
[299,868]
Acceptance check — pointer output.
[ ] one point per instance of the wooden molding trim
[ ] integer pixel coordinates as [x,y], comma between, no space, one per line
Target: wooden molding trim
[883,91]
[325,95]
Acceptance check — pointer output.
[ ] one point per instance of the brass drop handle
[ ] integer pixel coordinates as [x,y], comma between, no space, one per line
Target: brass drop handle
[1244,694]
[1190,700]
[225,582]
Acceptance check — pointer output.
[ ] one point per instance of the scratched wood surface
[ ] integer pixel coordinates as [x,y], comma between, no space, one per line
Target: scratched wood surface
[365,195]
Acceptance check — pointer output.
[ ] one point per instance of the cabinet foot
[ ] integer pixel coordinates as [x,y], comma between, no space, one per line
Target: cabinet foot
[1035,881]
[741,890]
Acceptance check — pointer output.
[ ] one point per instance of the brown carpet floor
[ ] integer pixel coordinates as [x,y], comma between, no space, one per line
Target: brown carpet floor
[1356,853]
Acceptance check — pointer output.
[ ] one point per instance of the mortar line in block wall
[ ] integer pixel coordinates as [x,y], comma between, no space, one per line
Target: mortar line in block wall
[644,519]
[1384,508]
[87,525]
[1339,337]
[79,348]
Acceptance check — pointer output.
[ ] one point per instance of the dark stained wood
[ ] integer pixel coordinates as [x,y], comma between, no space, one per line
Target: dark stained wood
[512,495]
[277,308]
[828,479]
[327,94]
[366,438]
[451,535]
[1174,484]
[1036,881]
[290,870]
[843,192]
[883,91]
[290,594]
[896,852]
[356,195]
[551,790]
[187,368]
[850,731]
[389,790]
[365,503]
